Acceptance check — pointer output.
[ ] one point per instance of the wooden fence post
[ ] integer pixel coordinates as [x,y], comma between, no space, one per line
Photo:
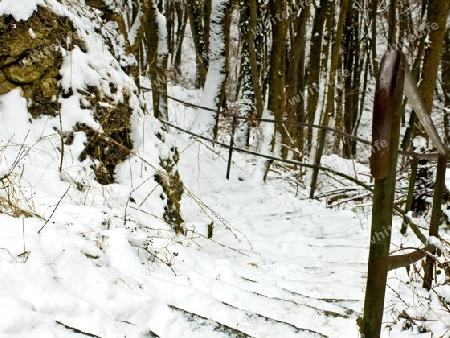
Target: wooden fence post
[230,150]
[315,173]
[385,140]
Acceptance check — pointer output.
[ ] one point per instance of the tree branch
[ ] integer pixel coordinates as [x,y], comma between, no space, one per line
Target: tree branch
[403,261]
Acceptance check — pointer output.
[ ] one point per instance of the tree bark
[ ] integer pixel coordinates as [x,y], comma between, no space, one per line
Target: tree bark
[295,108]
[212,94]
[313,74]
[151,34]
[392,28]
[195,14]
[436,214]
[277,71]
[253,58]
[351,82]
[373,42]
[438,12]
[345,5]
[445,64]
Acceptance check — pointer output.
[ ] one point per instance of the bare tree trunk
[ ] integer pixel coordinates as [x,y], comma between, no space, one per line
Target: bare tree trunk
[329,110]
[445,64]
[213,92]
[277,71]
[352,81]
[151,33]
[437,17]
[373,42]
[295,108]
[313,75]
[253,58]
[392,32]
[195,15]
[182,20]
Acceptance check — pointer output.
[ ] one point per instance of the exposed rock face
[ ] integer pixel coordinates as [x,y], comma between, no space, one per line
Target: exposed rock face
[30,58]
[114,144]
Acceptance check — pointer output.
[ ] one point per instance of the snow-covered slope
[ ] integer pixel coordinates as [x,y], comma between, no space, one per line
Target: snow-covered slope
[99,261]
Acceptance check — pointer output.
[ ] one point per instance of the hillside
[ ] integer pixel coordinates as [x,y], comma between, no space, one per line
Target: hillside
[113,224]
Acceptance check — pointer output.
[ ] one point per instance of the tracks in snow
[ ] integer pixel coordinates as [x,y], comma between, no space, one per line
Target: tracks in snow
[309,283]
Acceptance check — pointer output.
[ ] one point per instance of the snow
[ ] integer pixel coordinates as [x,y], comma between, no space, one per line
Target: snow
[272,258]
[263,148]
[102,260]
[205,120]
[20,10]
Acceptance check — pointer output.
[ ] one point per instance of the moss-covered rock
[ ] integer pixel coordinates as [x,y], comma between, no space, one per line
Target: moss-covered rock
[112,146]
[30,58]
[22,74]
[5,85]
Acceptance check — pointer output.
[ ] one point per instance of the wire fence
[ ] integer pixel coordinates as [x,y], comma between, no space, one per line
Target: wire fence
[316,166]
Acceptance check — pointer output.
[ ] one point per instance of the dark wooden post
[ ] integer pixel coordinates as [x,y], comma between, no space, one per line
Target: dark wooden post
[315,173]
[385,140]
[230,150]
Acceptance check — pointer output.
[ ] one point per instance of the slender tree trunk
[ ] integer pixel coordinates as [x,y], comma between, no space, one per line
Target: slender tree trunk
[435,221]
[295,107]
[351,82]
[195,15]
[213,94]
[151,32]
[277,71]
[392,31]
[225,24]
[437,15]
[157,54]
[313,75]
[438,12]
[373,42]
[255,74]
[207,6]
[182,20]
[329,110]
[446,85]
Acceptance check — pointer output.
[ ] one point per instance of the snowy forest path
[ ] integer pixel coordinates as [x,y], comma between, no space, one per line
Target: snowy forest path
[296,268]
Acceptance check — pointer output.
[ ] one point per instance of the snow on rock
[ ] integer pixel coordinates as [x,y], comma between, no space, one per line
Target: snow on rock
[101,260]
[20,10]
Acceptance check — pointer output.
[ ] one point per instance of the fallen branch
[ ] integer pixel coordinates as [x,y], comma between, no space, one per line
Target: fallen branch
[77,330]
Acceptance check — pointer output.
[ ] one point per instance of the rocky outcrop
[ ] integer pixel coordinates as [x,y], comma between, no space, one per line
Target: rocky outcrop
[30,57]
[113,145]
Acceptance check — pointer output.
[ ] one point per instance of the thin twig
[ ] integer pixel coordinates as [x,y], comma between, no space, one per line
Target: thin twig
[56,207]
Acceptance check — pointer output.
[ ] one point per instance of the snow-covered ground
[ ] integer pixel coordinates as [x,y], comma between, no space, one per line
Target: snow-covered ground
[100,261]
[275,264]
